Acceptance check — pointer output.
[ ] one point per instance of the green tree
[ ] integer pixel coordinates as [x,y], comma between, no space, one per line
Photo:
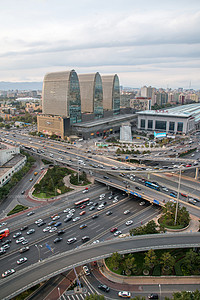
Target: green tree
[115,260]
[150,259]
[130,265]
[191,262]
[167,261]
[138,298]
[185,295]
[95,297]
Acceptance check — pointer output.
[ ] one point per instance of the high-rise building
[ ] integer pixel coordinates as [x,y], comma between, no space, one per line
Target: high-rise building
[61,95]
[111,93]
[91,94]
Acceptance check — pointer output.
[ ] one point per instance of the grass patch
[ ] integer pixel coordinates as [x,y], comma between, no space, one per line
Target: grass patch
[17,209]
[46,162]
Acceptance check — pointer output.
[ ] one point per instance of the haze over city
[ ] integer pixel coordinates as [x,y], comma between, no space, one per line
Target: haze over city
[144,42]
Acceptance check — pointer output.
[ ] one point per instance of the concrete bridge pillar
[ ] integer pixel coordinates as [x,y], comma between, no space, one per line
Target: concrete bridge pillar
[197,173]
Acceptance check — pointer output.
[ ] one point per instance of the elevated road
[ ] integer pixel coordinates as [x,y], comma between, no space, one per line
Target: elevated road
[38,272]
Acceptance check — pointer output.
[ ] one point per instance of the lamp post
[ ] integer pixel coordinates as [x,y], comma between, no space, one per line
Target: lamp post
[177,199]
[38,247]
[58,292]
[160,290]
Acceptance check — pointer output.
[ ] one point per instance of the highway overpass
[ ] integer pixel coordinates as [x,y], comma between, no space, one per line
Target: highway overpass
[38,272]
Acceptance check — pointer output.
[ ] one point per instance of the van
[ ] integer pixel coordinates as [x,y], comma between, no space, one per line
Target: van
[51,155]
[85,238]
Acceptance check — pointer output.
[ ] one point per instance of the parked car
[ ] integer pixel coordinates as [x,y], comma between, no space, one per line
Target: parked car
[104,287]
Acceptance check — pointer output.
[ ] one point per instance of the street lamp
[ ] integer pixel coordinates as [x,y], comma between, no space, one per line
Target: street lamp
[160,289]
[177,200]
[38,247]
[58,292]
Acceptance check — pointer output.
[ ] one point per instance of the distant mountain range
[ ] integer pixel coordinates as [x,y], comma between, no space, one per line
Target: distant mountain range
[5,86]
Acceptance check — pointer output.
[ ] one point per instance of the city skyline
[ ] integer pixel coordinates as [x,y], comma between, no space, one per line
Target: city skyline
[145,43]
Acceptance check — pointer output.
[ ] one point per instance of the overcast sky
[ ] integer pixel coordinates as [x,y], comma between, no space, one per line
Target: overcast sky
[146,42]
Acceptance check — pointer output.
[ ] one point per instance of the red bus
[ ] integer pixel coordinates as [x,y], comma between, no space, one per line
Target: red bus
[4,233]
[81,202]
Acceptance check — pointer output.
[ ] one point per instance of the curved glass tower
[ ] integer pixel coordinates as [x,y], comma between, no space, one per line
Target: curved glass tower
[111,93]
[61,95]
[91,94]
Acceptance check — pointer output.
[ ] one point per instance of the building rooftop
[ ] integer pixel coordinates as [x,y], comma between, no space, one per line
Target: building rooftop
[113,119]
[183,111]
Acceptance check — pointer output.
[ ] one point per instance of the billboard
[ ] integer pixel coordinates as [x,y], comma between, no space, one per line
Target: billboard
[160,134]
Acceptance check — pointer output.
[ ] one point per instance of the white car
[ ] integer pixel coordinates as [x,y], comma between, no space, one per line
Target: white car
[102,196]
[53,229]
[124,294]
[72,210]
[115,201]
[20,240]
[85,191]
[76,219]
[56,218]
[129,222]
[142,203]
[110,197]
[38,221]
[46,229]
[69,215]
[126,212]
[100,207]
[22,260]
[66,210]
[96,242]
[86,270]
[118,232]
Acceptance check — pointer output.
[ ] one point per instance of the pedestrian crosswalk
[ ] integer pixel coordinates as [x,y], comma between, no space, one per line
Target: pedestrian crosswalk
[75,296]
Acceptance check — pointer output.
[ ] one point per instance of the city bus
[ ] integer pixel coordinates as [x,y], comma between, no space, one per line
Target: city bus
[152,185]
[81,202]
[4,233]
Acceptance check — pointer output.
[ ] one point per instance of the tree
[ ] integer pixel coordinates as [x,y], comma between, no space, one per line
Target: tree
[185,295]
[95,297]
[191,262]
[129,265]
[168,262]
[115,260]
[138,298]
[150,259]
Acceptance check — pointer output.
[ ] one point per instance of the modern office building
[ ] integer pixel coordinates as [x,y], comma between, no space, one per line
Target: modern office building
[111,93]
[61,95]
[91,94]
[181,119]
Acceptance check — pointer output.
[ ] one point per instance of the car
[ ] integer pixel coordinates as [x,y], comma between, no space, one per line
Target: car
[115,200]
[67,219]
[24,249]
[82,213]
[76,219]
[46,229]
[22,260]
[53,229]
[41,224]
[30,213]
[7,273]
[51,223]
[138,188]
[104,288]
[184,195]
[82,206]
[24,227]
[106,177]
[90,203]
[71,240]
[102,196]
[165,189]
[96,242]
[24,242]
[153,296]
[172,200]
[173,195]
[17,234]
[56,218]
[86,270]
[85,191]
[38,221]
[118,232]
[2,251]
[95,216]
[57,240]
[22,192]
[187,166]
[5,247]
[58,224]
[95,203]
[128,223]
[6,242]
[85,238]
[61,231]
[54,215]
[126,212]
[31,179]
[20,240]
[124,294]
[109,213]
[100,207]
[30,231]
[66,210]
[83,226]
[113,229]
[110,197]
[92,208]
[142,203]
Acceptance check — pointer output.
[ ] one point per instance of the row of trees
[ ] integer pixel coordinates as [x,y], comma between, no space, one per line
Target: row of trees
[149,228]
[4,190]
[190,263]
[168,216]
[81,180]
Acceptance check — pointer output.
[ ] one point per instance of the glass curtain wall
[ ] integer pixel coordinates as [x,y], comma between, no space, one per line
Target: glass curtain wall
[74,99]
